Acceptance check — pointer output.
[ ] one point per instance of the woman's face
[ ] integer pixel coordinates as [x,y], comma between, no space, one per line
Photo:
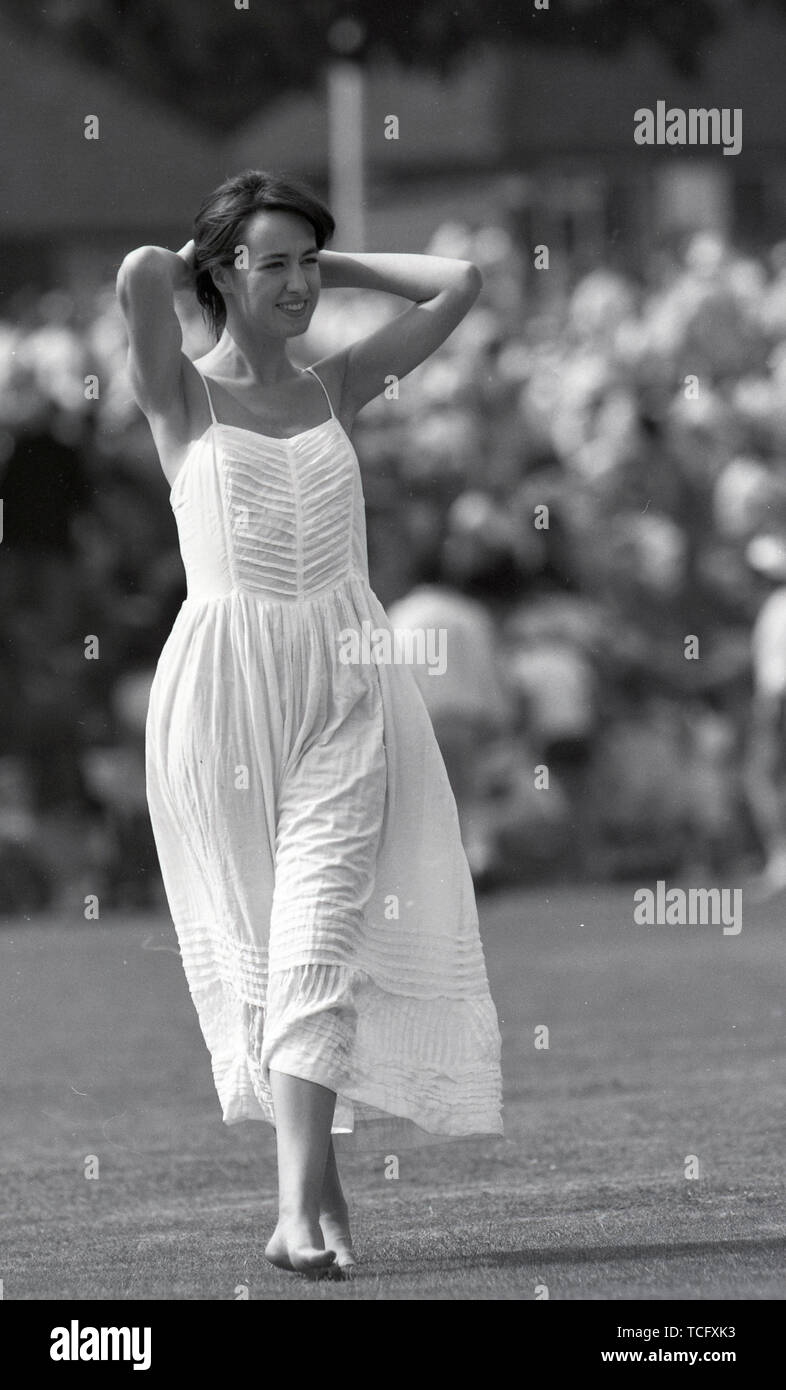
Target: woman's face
[280,269]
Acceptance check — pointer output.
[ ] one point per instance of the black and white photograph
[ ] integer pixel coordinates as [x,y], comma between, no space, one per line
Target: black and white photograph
[393,664]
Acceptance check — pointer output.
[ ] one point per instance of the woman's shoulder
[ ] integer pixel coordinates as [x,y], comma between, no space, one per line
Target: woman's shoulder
[331,371]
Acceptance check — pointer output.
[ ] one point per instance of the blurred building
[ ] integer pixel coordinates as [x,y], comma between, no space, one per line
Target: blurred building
[543,136]
[73,206]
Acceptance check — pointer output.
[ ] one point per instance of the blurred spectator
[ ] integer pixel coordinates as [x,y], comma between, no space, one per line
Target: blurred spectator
[766,764]
[713,792]
[126,871]
[44,485]
[25,876]
[464,696]
[553,685]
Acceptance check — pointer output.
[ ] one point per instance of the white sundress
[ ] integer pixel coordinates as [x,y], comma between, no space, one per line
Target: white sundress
[307,834]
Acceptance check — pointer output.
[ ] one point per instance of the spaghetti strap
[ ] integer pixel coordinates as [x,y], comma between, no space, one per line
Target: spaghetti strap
[324,388]
[209,400]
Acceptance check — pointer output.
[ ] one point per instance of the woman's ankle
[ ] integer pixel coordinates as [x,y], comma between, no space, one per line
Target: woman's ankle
[298,1212]
[333,1208]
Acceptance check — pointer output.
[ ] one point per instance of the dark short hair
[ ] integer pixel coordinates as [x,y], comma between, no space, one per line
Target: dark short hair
[222,214]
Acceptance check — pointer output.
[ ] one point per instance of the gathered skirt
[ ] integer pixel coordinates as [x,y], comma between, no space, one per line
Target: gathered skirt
[310,850]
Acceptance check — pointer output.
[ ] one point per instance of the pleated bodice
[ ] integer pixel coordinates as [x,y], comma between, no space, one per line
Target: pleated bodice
[280,518]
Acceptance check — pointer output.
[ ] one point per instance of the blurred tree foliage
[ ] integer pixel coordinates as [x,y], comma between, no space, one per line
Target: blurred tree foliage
[220,62]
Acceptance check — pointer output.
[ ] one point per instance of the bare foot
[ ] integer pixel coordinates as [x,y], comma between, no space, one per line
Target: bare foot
[334,1225]
[334,1217]
[298,1246]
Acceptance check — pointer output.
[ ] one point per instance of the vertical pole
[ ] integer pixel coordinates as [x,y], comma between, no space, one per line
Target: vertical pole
[346,171]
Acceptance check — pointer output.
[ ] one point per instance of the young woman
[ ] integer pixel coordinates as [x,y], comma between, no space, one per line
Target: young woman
[306,830]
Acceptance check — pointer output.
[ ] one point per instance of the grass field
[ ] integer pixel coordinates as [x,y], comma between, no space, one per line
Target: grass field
[664,1042]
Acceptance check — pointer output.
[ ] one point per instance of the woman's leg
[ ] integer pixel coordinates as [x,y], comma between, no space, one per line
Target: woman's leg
[334,1215]
[304,1115]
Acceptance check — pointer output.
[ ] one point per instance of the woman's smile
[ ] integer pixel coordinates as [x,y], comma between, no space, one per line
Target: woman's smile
[294,307]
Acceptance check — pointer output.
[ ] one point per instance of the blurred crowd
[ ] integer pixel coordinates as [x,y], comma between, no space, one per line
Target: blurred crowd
[585,489]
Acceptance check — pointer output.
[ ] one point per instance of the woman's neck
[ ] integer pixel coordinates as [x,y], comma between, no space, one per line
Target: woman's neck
[245,357]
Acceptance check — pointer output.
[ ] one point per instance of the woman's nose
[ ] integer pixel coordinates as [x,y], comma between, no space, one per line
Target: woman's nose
[296,280]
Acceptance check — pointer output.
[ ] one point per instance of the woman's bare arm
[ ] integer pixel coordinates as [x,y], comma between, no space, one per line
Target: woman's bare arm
[147,282]
[443,291]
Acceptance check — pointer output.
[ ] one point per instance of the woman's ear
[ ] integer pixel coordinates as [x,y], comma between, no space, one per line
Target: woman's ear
[222,278]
